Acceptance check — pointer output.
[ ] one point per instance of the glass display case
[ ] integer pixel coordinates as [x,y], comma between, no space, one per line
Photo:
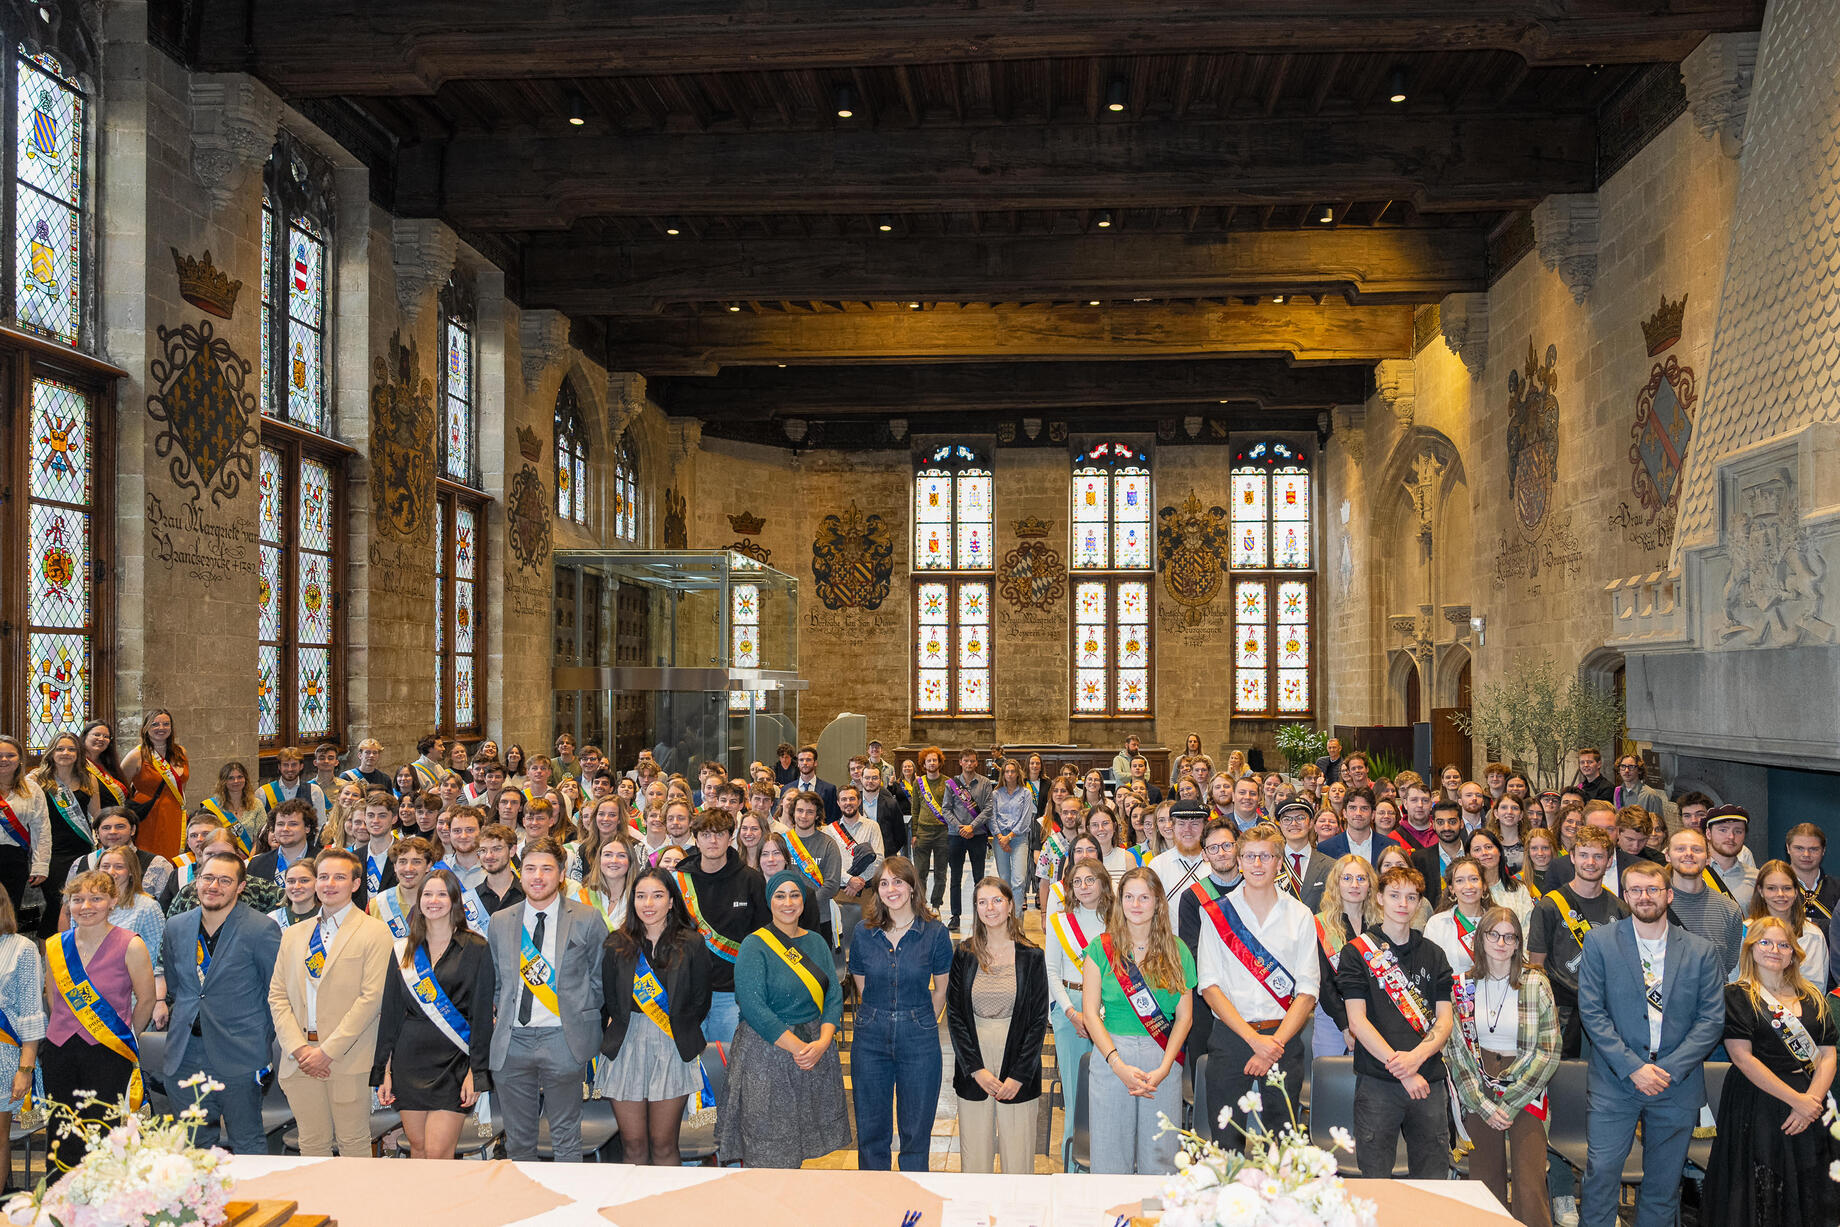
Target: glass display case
[692,654]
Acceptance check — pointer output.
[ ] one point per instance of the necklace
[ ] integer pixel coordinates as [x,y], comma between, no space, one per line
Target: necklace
[1500,1004]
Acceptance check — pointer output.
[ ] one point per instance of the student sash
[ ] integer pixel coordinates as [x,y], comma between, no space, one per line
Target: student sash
[1715,881]
[9,1034]
[374,867]
[387,907]
[603,906]
[1464,997]
[655,1004]
[64,803]
[91,1009]
[1322,939]
[1140,855]
[428,777]
[1137,991]
[170,778]
[185,868]
[1072,938]
[723,947]
[1791,1030]
[1466,938]
[109,783]
[427,993]
[1243,944]
[16,828]
[538,972]
[1385,969]
[214,807]
[316,951]
[793,959]
[476,914]
[807,863]
[1811,900]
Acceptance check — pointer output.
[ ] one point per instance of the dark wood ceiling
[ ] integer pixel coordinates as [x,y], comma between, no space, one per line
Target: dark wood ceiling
[1226,193]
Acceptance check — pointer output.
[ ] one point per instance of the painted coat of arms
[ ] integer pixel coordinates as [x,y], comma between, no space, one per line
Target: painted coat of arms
[852,559]
[1664,418]
[402,445]
[1533,436]
[527,518]
[1193,544]
[1033,575]
[208,439]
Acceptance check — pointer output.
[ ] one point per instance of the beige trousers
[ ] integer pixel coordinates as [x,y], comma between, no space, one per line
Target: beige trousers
[336,1108]
[990,1128]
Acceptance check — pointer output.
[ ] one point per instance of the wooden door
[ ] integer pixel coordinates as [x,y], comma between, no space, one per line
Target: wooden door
[1449,743]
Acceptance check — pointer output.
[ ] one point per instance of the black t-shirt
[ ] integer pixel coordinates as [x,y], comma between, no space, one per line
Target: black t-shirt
[495,902]
[1424,964]
[1548,934]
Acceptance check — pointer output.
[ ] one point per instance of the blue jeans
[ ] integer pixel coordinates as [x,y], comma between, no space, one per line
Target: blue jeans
[1015,866]
[724,1015]
[235,1112]
[1667,1122]
[895,1066]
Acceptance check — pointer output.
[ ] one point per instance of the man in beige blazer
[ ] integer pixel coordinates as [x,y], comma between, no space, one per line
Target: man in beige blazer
[325,995]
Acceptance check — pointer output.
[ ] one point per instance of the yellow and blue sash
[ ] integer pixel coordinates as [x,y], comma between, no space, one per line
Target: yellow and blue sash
[316,951]
[425,775]
[807,863]
[1139,854]
[9,1034]
[374,867]
[203,958]
[282,866]
[92,1010]
[214,806]
[649,996]
[539,974]
[793,959]
[65,803]
[428,993]
[476,914]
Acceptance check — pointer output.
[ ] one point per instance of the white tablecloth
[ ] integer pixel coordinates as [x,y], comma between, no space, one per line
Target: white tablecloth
[1087,1201]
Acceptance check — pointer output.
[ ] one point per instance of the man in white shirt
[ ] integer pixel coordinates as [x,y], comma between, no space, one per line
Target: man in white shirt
[1259,1015]
[860,841]
[1180,867]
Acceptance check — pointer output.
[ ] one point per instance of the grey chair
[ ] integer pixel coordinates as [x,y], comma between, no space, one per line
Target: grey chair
[1332,1104]
[1202,1120]
[159,1097]
[697,1142]
[1082,1121]
[1567,1136]
[383,1120]
[599,1132]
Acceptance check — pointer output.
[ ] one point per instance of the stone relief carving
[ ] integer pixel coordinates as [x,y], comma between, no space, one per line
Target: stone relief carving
[1565,234]
[1773,596]
[1427,474]
[1717,75]
[543,340]
[1533,436]
[234,121]
[1394,379]
[1464,321]
[402,445]
[422,253]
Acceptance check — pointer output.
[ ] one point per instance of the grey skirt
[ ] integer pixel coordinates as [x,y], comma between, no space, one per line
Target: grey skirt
[775,1114]
[647,1068]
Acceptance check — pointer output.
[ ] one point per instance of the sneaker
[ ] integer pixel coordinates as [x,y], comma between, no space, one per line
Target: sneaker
[1565,1212]
[957,923]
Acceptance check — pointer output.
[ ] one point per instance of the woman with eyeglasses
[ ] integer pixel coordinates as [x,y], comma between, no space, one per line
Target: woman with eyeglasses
[1502,1053]
[1770,1161]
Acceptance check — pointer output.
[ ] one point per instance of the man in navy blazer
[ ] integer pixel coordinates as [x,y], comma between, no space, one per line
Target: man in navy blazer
[807,781]
[1647,1047]
[220,959]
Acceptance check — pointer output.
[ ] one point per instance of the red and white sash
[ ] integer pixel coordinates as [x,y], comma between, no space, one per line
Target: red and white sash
[1399,990]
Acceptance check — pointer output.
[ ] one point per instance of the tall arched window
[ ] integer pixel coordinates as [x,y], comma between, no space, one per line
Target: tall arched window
[1113,597]
[460,516]
[953,571]
[626,494]
[51,126]
[571,457]
[299,653]
[457,397]
[1273,582]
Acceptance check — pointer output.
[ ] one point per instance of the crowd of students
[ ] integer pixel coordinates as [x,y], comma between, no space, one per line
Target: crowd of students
[533,929]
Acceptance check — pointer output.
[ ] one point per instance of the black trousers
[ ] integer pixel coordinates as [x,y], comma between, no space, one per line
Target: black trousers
[957,850]
[1383,1112]
[15,866]
[80,1065]
[1227,1080]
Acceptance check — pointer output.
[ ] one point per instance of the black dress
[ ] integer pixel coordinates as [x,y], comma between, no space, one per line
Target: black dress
[1757,1173]
[426,1068]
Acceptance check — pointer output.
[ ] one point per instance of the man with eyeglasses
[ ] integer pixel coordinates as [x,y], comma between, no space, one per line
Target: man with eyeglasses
[1181,866]
[1631,789]
[1433,863]
[1648,1048]
[1303,872]
[1695,905]
[1220,844]
[1258,974]
[220,959]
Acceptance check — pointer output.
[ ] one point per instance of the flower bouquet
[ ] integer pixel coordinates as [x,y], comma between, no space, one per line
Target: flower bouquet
[1280,1181]
[143,1172]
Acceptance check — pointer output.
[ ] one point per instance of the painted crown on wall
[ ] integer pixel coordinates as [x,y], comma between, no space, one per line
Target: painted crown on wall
[1033,526]
[529,445]
[206,286]
[747,523]
[1662,328]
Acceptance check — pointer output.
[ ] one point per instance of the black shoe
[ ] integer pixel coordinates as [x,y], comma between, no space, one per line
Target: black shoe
[957,923]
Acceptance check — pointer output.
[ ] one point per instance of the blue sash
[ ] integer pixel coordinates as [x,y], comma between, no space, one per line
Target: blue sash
[434,1001]
[1243,944]
[282,866]
[650,997]
[90,1008]
[476,914]
[9,1034]
[316,952]
[204,957]
[387,907]
[373,874]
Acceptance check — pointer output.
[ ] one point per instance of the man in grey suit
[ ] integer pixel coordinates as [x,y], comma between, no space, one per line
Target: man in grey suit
[1647,1048]
[970,799]
[220,959]
[547,953]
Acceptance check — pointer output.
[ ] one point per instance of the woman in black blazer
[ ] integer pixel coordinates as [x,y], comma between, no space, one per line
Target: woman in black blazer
[654,997]
[997,1007]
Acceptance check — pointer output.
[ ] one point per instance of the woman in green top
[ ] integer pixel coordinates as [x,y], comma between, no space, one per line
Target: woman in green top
[784,1102]
[1137,1031]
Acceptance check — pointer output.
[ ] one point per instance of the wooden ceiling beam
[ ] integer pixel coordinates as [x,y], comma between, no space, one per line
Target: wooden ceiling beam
[705,344]
[413,46]
[576,276]
[534,182]
[764,392]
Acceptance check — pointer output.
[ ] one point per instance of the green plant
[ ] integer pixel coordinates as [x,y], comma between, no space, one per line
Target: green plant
[1541,715]
[1300,744]
[1384,765]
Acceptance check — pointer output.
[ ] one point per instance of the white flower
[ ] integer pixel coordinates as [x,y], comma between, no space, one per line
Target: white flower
[1833,1170]
[1275,1077]
[1250,1102]
[1225,1119]
[1342,1138]
[1199,1175]
[1238,1206]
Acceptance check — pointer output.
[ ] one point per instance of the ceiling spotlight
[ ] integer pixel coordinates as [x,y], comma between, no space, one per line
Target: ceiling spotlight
[913,306]
[1092,302]
[673,231]
[1326,216]
[1117,94]
[885,222]
[1397,93]
[780,365]
[1104,219]
[847,101]
[734,306]
[1277,298]
[578,108]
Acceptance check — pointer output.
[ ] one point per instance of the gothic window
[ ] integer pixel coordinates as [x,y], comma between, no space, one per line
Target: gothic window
[458,403]
[1113,597]
[458,542]
[953,575]
[50,196]
[1273,582]
[298,663]
[744,629]
[571,457]
[296,234]
[626,495]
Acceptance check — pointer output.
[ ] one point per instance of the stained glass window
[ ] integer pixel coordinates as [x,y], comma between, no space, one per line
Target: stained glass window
[1271,554]
[296,234]
[457,396]
[626,495]
[459,635]
[297,584]
[953,560]
[50,130]
[744,628]
[1110,548]
[571,457]
[59,607]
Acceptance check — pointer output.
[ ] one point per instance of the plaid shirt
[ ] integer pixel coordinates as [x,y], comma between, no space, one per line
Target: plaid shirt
[1537,1038]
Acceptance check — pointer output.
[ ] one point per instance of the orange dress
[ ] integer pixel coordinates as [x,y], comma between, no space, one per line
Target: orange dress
[163,830]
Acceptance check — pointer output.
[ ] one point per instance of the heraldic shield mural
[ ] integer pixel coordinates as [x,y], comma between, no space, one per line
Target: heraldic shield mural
[852,559]
[1663,427]
[1533,436]
[1193,544]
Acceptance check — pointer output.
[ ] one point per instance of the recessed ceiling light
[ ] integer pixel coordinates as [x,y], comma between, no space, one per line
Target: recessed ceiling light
[1104,219]
[734,306]
[672,231]
[1117,94]
[1277,298]
[913,306]
[1092,302]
